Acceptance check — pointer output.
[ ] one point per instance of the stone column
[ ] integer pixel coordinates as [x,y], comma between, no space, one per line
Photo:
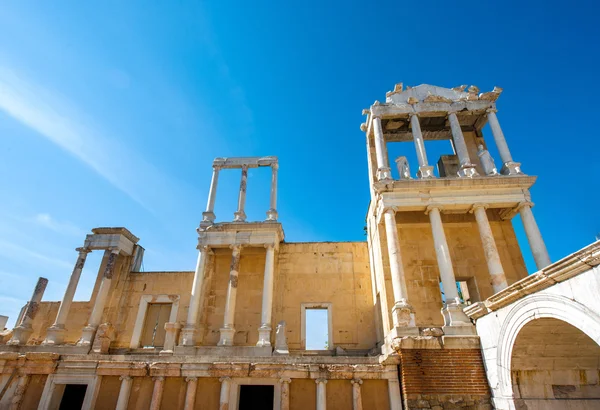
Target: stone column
[509,167]
[22,332]
[394,394]
[452,311]
[171,335]
[225,387]
[209,214]
[88,333]
[272,212]
[123,400]
[321,394]
[190,393]
[534,237]
[425,170]
[492,257]
[228,329]
[383,167]
[264,331]
[402,312]
[356,396]
[285,393]
[17,398]
[467,169]
[188,333]
[55,333]
[240,215]
[159,385]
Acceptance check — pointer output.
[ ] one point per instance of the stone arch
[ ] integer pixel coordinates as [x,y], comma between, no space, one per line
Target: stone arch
[536,307]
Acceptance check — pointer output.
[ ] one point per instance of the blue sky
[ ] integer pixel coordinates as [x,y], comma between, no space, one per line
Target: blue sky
[111,114]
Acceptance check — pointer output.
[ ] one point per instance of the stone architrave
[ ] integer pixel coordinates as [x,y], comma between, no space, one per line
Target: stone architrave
[23,331]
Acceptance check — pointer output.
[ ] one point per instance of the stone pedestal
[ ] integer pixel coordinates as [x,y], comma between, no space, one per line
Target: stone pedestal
[171,336]
[425,171]
[281,346]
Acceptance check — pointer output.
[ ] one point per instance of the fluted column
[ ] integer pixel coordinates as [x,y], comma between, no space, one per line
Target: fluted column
[264,331]
[224,398]
[209,214]
[123,400]
[23,331]
[394,394]
[356,394]
[534,237]
[402,312]
[383,166]
[285,393]
[321,394]
[157,393]
[467,168]
[240,214]
[272,212]
[189,331]
[492,257]
[425,170]
[190,393]
[228,329]
[509,167]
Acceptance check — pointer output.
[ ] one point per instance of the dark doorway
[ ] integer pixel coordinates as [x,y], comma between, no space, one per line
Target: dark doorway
[257,397]
[73,396]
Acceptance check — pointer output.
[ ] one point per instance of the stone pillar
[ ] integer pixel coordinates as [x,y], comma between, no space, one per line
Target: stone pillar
[228,329]
[264,331]
[88,333]
[509,167]
[240,215]
[22,332]
[190,393]
[17,398]
[402,312]
[492,257]
[123,400]
[534,237]
[467,169]
[209,214]
[285,393]
[425,170]
[321,394]
[384,172]
[394,394]
[188,337]
[159,385]
[171,335]
[55,333]
[225,387]
[356,396]
[272,212]
[452,311]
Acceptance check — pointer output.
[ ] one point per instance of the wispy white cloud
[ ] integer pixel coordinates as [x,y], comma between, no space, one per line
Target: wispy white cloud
[65,228]
[19,253]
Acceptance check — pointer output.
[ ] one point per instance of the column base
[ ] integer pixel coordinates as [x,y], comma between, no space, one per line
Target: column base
[511,168]
[454,315]
[467,171]
[20,336]
[425,172]
[208,217]
[87,336]
[272,215]
[171,335]
[384,174]
[227,334]
[188,336]
[403,315]
[55,335]
[239,216]
[264,336]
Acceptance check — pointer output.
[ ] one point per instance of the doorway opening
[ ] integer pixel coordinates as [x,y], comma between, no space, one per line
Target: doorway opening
[256,397]
[73,397]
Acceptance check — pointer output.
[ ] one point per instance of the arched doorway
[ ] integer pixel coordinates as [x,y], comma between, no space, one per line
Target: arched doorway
[554,365]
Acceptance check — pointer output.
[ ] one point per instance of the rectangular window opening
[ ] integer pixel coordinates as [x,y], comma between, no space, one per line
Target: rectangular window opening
[153,333]
[317,329]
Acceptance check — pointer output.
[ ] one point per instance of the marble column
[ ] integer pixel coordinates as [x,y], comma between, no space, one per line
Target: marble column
[534,237]
[123,400]
[285,393]
[321,394]
[272,212]
[452,311]
[188,333]
[157,393]
[23,331]
[467,168]
[383,167]
[88,333]
[228,329]
[172,330]
[190,393]
[394,394]
[224,398]
[19,393]
[240,215]
[209,214]
[425,170]
[55,333]
[492,257]
[264,331]
[509,167]
[402,312]
[356,394]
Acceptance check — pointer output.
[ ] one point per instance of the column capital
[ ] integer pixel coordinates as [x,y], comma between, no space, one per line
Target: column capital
[285,380]
[356,381]
[275,166]
[225,379]
[321,380]
[236,247]
[391,209]
[83,250]
[158,378]
[245,167]
[478,205]
[491,109]
[413,114]
[524,203]
[217,167]
[205,248]
[431,208]
[269,245]
[125,377]
[191,379]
